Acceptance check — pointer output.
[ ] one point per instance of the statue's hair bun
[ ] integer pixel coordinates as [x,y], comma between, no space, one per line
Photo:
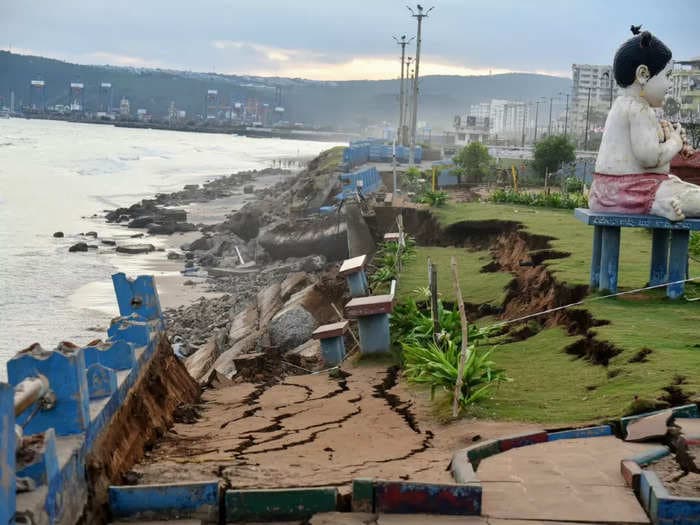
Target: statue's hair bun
[646,39]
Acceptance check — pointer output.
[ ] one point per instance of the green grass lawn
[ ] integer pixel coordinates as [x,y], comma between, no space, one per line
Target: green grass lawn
[476,287]
[548,385]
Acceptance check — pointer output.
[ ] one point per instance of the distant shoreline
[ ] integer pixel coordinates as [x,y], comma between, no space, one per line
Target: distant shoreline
[247,131]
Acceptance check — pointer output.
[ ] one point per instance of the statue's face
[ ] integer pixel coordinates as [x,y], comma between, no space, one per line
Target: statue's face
[656,88]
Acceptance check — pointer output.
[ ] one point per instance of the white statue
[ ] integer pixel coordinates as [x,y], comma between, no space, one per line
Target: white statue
[632,169]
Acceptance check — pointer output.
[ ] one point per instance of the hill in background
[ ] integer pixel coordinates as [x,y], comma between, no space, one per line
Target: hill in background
[348,104]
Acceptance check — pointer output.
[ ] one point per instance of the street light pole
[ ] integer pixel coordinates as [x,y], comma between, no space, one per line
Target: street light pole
[402,42]
[537,116]
[419,16]
[522,140]
[408,101]
[549,126]
[566,115]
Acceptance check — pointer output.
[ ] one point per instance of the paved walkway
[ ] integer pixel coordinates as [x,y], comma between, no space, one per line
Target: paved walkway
[569,480]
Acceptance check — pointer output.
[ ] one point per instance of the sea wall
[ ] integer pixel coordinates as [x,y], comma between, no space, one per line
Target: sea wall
[74,419]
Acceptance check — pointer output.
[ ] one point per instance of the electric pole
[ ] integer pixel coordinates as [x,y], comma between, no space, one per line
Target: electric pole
[400,131]
[566,113]
[549,126]
[419,16]
[408,101]
[537,116]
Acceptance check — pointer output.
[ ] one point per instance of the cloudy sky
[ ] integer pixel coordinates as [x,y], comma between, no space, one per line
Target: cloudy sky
[333,40]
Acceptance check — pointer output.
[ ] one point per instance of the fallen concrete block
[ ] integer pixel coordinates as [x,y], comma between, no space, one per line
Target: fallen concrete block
[650,427]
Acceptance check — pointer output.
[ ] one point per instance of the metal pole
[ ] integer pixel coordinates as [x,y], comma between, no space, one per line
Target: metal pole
[419,16]
[402,42]
[588,111]
[537,115]
[566,115]
[549,126]
[522,141]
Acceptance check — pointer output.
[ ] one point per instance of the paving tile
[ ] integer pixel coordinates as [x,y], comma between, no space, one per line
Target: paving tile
[650,427]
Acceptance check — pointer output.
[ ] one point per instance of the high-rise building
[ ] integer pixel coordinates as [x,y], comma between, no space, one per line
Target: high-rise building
[598,83]
[686,88]
[124,107]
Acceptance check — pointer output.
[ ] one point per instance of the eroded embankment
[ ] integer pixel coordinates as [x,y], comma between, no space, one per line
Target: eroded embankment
[145,415]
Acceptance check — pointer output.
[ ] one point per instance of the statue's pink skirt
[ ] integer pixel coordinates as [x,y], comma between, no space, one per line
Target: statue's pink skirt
[633,193]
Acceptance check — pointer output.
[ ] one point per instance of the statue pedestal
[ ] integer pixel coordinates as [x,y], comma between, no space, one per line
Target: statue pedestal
[669,254]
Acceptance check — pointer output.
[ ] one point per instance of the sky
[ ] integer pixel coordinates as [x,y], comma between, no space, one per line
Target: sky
[349,40]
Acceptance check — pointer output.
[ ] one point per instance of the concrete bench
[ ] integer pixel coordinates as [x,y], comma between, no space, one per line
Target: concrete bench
[354,272]
[669,248]
[332,341]
[372,314]
[392,237]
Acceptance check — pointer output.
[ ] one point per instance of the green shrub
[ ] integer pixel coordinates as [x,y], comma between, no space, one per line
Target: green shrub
[433,198]
[544,200]
[437,367]
[694,246]
[573,185]
[385,261]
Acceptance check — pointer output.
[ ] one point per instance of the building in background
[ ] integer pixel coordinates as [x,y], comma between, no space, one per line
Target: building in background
[593,90]
[686,89]
[124,107]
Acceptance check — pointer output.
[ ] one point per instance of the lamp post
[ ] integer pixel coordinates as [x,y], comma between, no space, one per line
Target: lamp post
[419,15]
[402,42]
[537,116]
[566,113]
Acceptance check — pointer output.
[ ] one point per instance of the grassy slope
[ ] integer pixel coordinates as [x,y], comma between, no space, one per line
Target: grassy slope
[552,387]
[476,287]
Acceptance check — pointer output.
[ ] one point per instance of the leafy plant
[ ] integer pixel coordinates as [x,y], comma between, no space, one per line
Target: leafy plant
[694,246]
[386,261]
[434,198]
[437,366]
[573,185]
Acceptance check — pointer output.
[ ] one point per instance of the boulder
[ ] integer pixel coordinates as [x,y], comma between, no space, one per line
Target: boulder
[108,242]
[203,243]
[79,247]
[136,236]
[293,283]
[315,302]
[248,188]
[58,235]
[161,229]
[245,223]
[168,215]
[136,248]
[91,234]
[141,222]
[291,327]
[173,256]
[184,227]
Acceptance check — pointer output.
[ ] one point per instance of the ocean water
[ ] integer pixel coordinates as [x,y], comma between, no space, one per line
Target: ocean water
[53,174]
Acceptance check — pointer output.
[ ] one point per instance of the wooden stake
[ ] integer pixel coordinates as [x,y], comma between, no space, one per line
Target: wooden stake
[465,338]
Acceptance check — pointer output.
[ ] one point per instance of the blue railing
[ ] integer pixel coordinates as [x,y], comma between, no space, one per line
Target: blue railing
[63,399]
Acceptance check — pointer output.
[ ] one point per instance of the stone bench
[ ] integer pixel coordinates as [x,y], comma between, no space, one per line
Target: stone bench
[669,248]
[332,341]
[392,237]
[354,272]
[372,314]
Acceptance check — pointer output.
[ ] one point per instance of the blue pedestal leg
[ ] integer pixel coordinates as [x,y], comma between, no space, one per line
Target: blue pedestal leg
[595,257]
[659,257]
[609,256]
[678,262]
[374,333]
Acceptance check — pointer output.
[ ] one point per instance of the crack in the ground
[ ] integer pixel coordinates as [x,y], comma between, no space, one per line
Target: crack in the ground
[249,399]
[402,408]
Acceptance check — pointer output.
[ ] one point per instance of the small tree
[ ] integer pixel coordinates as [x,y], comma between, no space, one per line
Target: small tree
[551,152]
[473,161]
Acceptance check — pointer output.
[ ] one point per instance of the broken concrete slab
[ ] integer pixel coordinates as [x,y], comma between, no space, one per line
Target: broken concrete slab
[650,427]
[269,303]
[243,324]
[306,355]
[199,363]
[293,283]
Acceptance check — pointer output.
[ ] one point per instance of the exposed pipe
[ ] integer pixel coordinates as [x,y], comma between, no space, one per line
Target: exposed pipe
[29,391]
